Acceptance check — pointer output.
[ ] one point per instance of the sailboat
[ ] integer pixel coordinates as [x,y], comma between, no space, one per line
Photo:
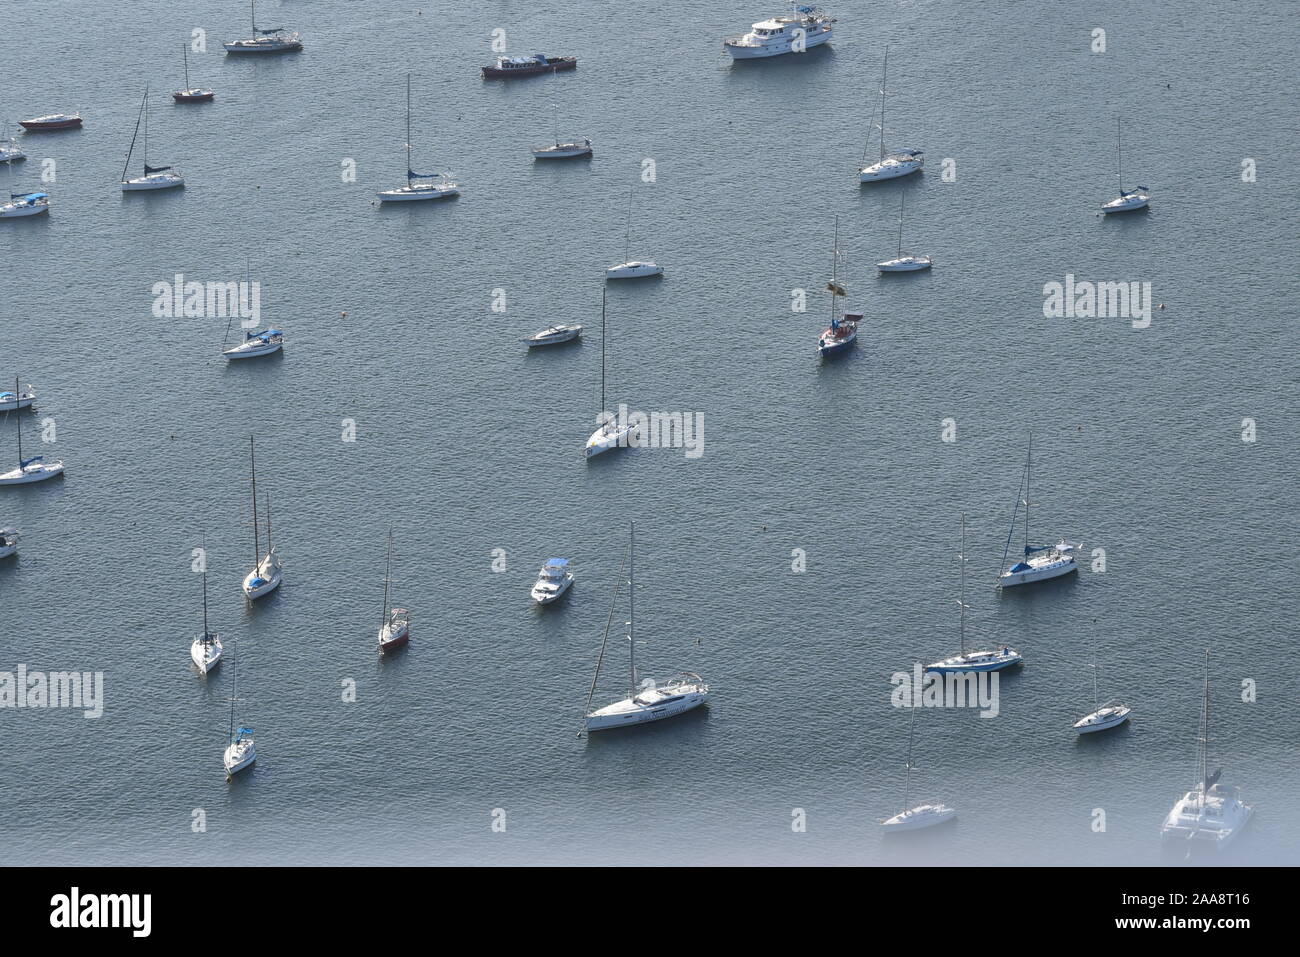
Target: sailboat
[18,399]
[578,148]
[239,752]
[610,434]
[35,469]
[1211,813]
[23,204]
[190,94]
[901,263]
[923,815]
[273,40]
[843,330]
[892,163]
[419,186]
[1040,562]
[631,268]
[155,177]
[1128,199]
[1003,657]
[8,542]
[1110,715]
[652,702]
[9,150]
[266,574]
[205,651]
[395,630]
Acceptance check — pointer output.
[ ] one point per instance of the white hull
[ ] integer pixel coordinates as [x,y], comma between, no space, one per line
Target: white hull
[252,352]
[390,637]
[15,210]
[157,181]
[262,46]
[544,596]
[655,707]
[905,264]
[414,194]
[238,756]
[33,473]
[7,550]
[22,402]
[255,588]
[633,270]
[11,155]
[562,152]
[604,439]
[1215,821]
[756,51]
[1126,204]
[205,657]
[889,169]
[1037,573]
[1102,720]
[913,819]
[554,336]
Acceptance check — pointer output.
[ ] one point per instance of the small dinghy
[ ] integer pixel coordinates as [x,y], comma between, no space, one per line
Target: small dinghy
[554,336]
[205,651]
[18,399]
[8,542]
[25,204]
[54,121]
[256,344]
[552,581]
[395,629]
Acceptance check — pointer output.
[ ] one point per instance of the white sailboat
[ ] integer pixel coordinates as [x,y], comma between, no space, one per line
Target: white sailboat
[18,399]
[8,542]
[901,263]
[23,204]
[923,815]
[266,574]
[1039,562]
[240,752]
[577,148]
[419,186]
[1128,199]
[256,344]
[1211,814]
[34,469]
[9,150]
[271,40]
[610,434]
[631,268]
[395,629]
[1003,657]
[645,701]
[1110,715]
[154,177]
[205,651]
[892,163]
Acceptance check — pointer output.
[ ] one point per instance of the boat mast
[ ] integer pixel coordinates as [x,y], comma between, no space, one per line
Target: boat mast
[268,524]
[631,596]
[252,16]
[1029,462]
[902,197]
[146,129]
[185,52]
[884,77]
[408,128]
[613,606]
[1205,731]
[388,570]
[1119,152]
[18,423]
[907,774]
[627,237]
[257,542]
[961,558]
[127,164]
[835,263]
[1095,699]
[234,684]
[603,293]
[207,638]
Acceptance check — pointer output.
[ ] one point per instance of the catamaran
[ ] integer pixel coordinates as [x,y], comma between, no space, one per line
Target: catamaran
[395,629]
[631,268]
[552,581]
[800,30]
[648,702]
[901,263]
[1211,813]
[892,163]
[18,399]
[1128,199]
[154,177]
[190,94]
[239,752]
[843,330]
[1110,715]
[1040,562]
[923,815]
[34,469]
[419,186]
[1003,657]
[610,434]
[205,651]
[273,40]
[266,574]
[8,542]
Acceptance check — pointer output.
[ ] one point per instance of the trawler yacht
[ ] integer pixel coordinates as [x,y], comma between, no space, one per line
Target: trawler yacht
[798,31]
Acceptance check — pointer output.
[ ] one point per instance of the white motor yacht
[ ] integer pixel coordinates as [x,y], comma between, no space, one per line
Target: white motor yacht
[554,336]
[552,581]
[798,31]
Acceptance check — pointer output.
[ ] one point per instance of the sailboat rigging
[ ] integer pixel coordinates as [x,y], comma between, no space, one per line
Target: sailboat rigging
[419,186]
[154,177]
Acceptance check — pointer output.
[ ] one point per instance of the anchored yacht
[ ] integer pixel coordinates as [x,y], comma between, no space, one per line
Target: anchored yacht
[1039,562]
[798,31]
[892,163]
[1003,657]
[273,40]
[256,344]
[552,581]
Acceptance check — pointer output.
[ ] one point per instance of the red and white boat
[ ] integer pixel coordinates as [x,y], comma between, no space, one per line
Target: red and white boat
[54,121]
[512,66]
[191,94]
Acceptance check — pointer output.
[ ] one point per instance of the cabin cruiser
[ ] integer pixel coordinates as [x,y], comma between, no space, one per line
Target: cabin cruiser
[574,149]
[274,40]
[803,28]
[8,542]
[1040,562]
[25,204]
[1128,200]
[552,581]
[256,344]
[9,401]
[507,67]
[554,336]
[54,121]
[634,269]
[679,694]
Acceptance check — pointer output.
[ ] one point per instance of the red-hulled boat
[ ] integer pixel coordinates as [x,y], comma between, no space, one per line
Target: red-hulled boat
[190,94]
[55,121]
[511,66]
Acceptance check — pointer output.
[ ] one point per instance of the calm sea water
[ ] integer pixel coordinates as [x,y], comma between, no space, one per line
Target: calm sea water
[466,445]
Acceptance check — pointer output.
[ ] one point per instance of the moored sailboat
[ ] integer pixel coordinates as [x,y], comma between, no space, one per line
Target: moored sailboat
[205,650]
[840,335]
[1039,562]
[996,660]
[631,268]
[901,263]
[190,94]
[271,40]
[154,177]
[395,629]
[240,752]
[267,573]
[1129,199]
[1102,717]
[892,163]
[34,469]
[611,434]
[922,815]
[419,186]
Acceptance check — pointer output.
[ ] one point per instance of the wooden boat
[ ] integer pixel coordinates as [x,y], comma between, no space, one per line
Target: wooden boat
[512,66]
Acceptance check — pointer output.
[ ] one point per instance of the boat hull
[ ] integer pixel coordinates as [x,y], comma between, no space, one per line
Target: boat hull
[743,51]
[889,169]
[408,194]
[394,640]
[244,48]
[1010,579]
[602,441]
[634,271]
[543,597]
[237,758]
[914,819]
[205,659]
[31,474]
[241,353]
[599,721]
[255,588]
[556,339]
[17,210]
[905,264]
[40,126]
[1084,726]
[147,183]
[1126,204]
[552,65]
[193,96]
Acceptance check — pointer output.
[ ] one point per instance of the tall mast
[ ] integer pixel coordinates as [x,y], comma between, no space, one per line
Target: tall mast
[883,80]
[961,558]
[627,237]
[185,53]
[408,127]
[257,542]
[234,684]
[603,293]
[1119,151]
[1205,734]
[146,128]
[631,595]
[907,775]
[902,197]
[252,15]
[1029,462]
[388,570]
[268,523]
[1095,699]
[131,150]
[18,423]
[207,640]
[835,263]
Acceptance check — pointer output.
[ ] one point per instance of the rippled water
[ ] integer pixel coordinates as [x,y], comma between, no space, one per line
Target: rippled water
[466,444]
